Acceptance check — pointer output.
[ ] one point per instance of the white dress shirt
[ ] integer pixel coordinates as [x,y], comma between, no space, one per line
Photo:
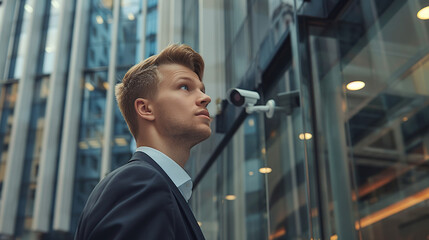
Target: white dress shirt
[177,174]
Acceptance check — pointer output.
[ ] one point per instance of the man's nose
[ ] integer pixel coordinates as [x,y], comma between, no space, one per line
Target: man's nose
[204,100]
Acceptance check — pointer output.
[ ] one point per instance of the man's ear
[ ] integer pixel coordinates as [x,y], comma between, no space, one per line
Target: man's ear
[144,109]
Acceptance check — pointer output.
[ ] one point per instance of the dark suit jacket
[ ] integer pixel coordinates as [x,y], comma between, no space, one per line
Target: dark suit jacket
[137,201]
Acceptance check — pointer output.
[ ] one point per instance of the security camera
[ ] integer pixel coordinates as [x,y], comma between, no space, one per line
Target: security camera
[247,99]
[241,97]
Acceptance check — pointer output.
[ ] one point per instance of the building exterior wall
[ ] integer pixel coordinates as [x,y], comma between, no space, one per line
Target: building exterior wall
[332,163]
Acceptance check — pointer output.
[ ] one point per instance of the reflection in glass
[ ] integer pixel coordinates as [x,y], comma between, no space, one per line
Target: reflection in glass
[387,121]
[90,141]
[99,33]
[230,201]
[8,95]
[151,26]
[129,33]
[33,147]
[20,38]
[190,30]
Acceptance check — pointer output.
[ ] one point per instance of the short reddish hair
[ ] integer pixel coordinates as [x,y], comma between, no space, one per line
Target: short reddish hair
[141,80]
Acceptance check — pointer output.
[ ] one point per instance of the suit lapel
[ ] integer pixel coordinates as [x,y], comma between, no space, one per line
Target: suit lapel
[179,197]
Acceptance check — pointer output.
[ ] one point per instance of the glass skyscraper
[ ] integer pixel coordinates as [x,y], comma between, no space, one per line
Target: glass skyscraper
[344,156]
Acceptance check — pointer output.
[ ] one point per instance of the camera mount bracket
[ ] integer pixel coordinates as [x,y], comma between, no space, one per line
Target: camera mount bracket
[268,108]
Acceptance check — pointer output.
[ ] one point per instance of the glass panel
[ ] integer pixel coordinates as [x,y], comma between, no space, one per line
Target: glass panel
[190,20]
[99,33]
[50,31]
[90,140]
[129,33]
[230,201]
[286,164]
[33,147]
[20,38]
[151,26]
[123,142]
[373,70]
[8,95]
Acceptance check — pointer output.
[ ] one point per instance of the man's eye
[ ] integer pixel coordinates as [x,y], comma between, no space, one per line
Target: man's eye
[184,87]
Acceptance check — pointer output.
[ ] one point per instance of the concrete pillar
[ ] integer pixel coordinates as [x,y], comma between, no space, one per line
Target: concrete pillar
[106,158]
[14,166]
[70,131]
[51,132]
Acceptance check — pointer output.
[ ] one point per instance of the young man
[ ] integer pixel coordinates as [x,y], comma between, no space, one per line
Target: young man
[165,106]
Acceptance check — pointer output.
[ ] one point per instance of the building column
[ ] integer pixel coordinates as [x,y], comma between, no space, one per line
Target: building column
[106,158]
[15,162]
[143,37]
[70,131]
[51,133]
[212,49]
[7,12]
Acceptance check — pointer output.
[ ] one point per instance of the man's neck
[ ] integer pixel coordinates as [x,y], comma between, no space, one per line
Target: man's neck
[175,151]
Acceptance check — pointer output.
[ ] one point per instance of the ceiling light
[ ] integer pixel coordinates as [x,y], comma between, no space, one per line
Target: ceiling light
[131,17]
[55,4]
[94,143]
[423,13]
[28,8]
[99,19]
[265,170]
[83,145]
[251,173]
[49,49]
[106,85]
[251,122]
[230,197]
[120,141]
[306,136]
[89,86]
[355,85]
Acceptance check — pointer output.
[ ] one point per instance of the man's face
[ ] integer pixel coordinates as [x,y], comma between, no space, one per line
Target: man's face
[180,105]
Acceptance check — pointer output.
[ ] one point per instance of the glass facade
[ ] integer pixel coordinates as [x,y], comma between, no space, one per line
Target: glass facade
[343,157]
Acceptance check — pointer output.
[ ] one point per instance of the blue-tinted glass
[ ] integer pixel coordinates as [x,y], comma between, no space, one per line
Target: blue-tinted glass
[8,95]
[90,141]
[32,153]
[21,35]
[99,33]
[190,31]
[130,33]
[152,3]
[50,30]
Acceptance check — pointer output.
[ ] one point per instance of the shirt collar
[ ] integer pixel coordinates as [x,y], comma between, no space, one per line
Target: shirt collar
[175,172]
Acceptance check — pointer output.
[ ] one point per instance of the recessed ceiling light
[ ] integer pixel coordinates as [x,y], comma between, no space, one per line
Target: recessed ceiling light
[423,13]
[131,16]
[28,8]
[306,136]
[355,85]
[230,197]
[99,19]
[265,170]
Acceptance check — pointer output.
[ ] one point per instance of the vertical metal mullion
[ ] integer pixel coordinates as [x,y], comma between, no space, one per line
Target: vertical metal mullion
[106,158]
